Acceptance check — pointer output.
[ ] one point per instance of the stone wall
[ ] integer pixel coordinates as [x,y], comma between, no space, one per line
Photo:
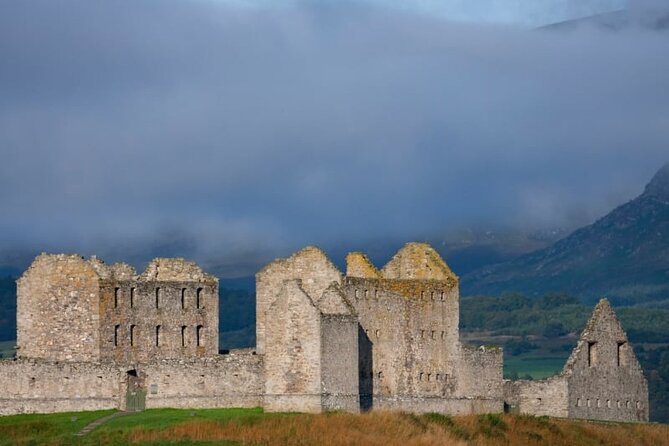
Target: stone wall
[310,265]
[70,309]
[57,310]
[339,363]
[293,352]
[412,330]
[546,397]
[39,386]
[170,311]
[231,380]
[604,377]
[480,374]
[167,319]
[93,336]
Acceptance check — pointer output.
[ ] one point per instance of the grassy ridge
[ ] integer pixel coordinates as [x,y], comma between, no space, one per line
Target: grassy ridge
[253,427]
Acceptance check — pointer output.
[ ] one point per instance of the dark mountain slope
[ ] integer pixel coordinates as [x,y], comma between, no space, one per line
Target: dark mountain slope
[624,255]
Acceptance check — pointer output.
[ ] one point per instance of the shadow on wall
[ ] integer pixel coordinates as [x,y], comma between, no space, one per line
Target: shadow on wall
[365,367]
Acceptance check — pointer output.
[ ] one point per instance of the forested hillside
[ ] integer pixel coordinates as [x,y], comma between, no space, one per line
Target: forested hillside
[623,256]
[539,334]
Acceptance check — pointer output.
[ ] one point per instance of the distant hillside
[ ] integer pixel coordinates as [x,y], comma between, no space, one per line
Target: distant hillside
[624,256]
[650,18]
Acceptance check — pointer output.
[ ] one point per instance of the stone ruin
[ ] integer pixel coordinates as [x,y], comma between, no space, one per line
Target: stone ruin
[92,336]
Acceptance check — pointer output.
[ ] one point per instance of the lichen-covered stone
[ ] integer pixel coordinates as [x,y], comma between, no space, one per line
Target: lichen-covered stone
[93,336]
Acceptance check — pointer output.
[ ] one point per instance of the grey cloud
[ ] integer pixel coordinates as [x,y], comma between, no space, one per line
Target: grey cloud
[240,133]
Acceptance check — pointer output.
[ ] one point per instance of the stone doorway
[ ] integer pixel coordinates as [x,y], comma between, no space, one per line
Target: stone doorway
[135,398]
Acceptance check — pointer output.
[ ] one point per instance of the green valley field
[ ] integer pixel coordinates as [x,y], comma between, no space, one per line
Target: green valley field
[253,427]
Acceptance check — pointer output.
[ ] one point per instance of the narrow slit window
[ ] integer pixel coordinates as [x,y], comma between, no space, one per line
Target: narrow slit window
[198,298]
[442,296]
[157,297]
[183,335]
[183,298]
[116,329]
[620,356]
[157,335]
[132,297]
[116,293]
[199,333]
[592,353]
[132,335]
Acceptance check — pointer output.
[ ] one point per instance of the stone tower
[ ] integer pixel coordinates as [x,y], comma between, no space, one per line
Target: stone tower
[396,329]
[308,334]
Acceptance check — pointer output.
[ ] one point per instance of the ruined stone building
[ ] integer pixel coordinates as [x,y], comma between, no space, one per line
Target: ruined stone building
[602,379]
[92,336]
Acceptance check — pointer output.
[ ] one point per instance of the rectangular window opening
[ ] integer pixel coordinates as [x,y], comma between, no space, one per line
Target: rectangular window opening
[620,356]
[198,298]
[157,297]
[183,335]
[157,335]
[116,293]
[199,334]
[132,336]
[183,298]
[116,329]
[132,297]
[592,354]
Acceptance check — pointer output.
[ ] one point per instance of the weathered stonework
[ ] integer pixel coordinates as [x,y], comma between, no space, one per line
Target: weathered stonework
[92,336]
[70,309]
[402,332]
[602,379]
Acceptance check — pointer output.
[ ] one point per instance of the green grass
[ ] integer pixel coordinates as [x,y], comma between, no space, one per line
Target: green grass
[253,427]
[538,367]
[7,349]
[48,429]
[59,429]
[163,418]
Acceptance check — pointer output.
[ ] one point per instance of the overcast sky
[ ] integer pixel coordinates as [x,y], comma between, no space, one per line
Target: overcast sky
[238,133]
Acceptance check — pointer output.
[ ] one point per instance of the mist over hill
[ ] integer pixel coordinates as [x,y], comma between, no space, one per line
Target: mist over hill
[624,256]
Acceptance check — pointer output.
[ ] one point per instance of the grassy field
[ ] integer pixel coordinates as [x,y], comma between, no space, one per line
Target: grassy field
[538,367]
[253,427]
[7,349]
